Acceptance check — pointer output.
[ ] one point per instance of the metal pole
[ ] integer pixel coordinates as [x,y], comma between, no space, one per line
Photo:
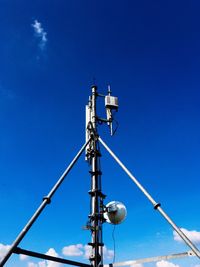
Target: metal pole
[95,216]
[155,204]
[49,258]
[46,200]
[152,259]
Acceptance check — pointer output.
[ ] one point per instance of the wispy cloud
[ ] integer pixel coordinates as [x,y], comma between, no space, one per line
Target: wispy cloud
[73,250]
[40,34]
[193,235]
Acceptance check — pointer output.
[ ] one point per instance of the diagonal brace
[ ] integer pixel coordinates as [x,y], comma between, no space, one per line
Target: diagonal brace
[18,250]
[152,259]
[46,200]
[155,204]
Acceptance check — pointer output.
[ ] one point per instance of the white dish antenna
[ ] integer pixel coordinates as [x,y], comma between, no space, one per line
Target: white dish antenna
[115,212]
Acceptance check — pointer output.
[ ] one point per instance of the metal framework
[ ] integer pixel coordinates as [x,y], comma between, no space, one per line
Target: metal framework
[96,218]
[96,215]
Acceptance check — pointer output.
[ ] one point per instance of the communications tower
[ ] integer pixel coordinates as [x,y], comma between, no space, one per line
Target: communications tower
[114,212]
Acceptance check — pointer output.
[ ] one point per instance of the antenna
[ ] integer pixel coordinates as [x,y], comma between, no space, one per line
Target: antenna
[115,212]
[98,213]
[87,123]
[111,104]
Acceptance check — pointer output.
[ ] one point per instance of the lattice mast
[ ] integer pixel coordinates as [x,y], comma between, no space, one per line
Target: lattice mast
[96,208]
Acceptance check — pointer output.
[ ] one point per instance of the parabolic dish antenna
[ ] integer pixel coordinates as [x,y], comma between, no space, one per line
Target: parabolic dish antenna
[115,212]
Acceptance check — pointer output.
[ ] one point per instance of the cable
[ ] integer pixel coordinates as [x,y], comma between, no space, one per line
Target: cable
[114,120]
[114,248]
[117,125]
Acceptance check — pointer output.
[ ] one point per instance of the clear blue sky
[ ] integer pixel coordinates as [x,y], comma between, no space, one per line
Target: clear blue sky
[50,53]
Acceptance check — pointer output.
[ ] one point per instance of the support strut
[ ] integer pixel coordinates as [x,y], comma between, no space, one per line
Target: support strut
[155,204]
[48,257]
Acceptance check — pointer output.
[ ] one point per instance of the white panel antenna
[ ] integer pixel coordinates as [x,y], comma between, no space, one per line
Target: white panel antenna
[111,103]
[87,133]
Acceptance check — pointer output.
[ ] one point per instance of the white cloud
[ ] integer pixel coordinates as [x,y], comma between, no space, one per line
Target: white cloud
[76,250]
[166,264]
[3,250]
[51,252]
[193,235]
[73,250]
[40,34]
[31,264]
[137,265]
[198,265]
[107,253]
[85,251]
[23,257]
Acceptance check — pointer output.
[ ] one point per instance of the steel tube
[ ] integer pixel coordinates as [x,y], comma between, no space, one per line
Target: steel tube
[97,253]
[46,201]
[155,204]
[48,257]
[152,259]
